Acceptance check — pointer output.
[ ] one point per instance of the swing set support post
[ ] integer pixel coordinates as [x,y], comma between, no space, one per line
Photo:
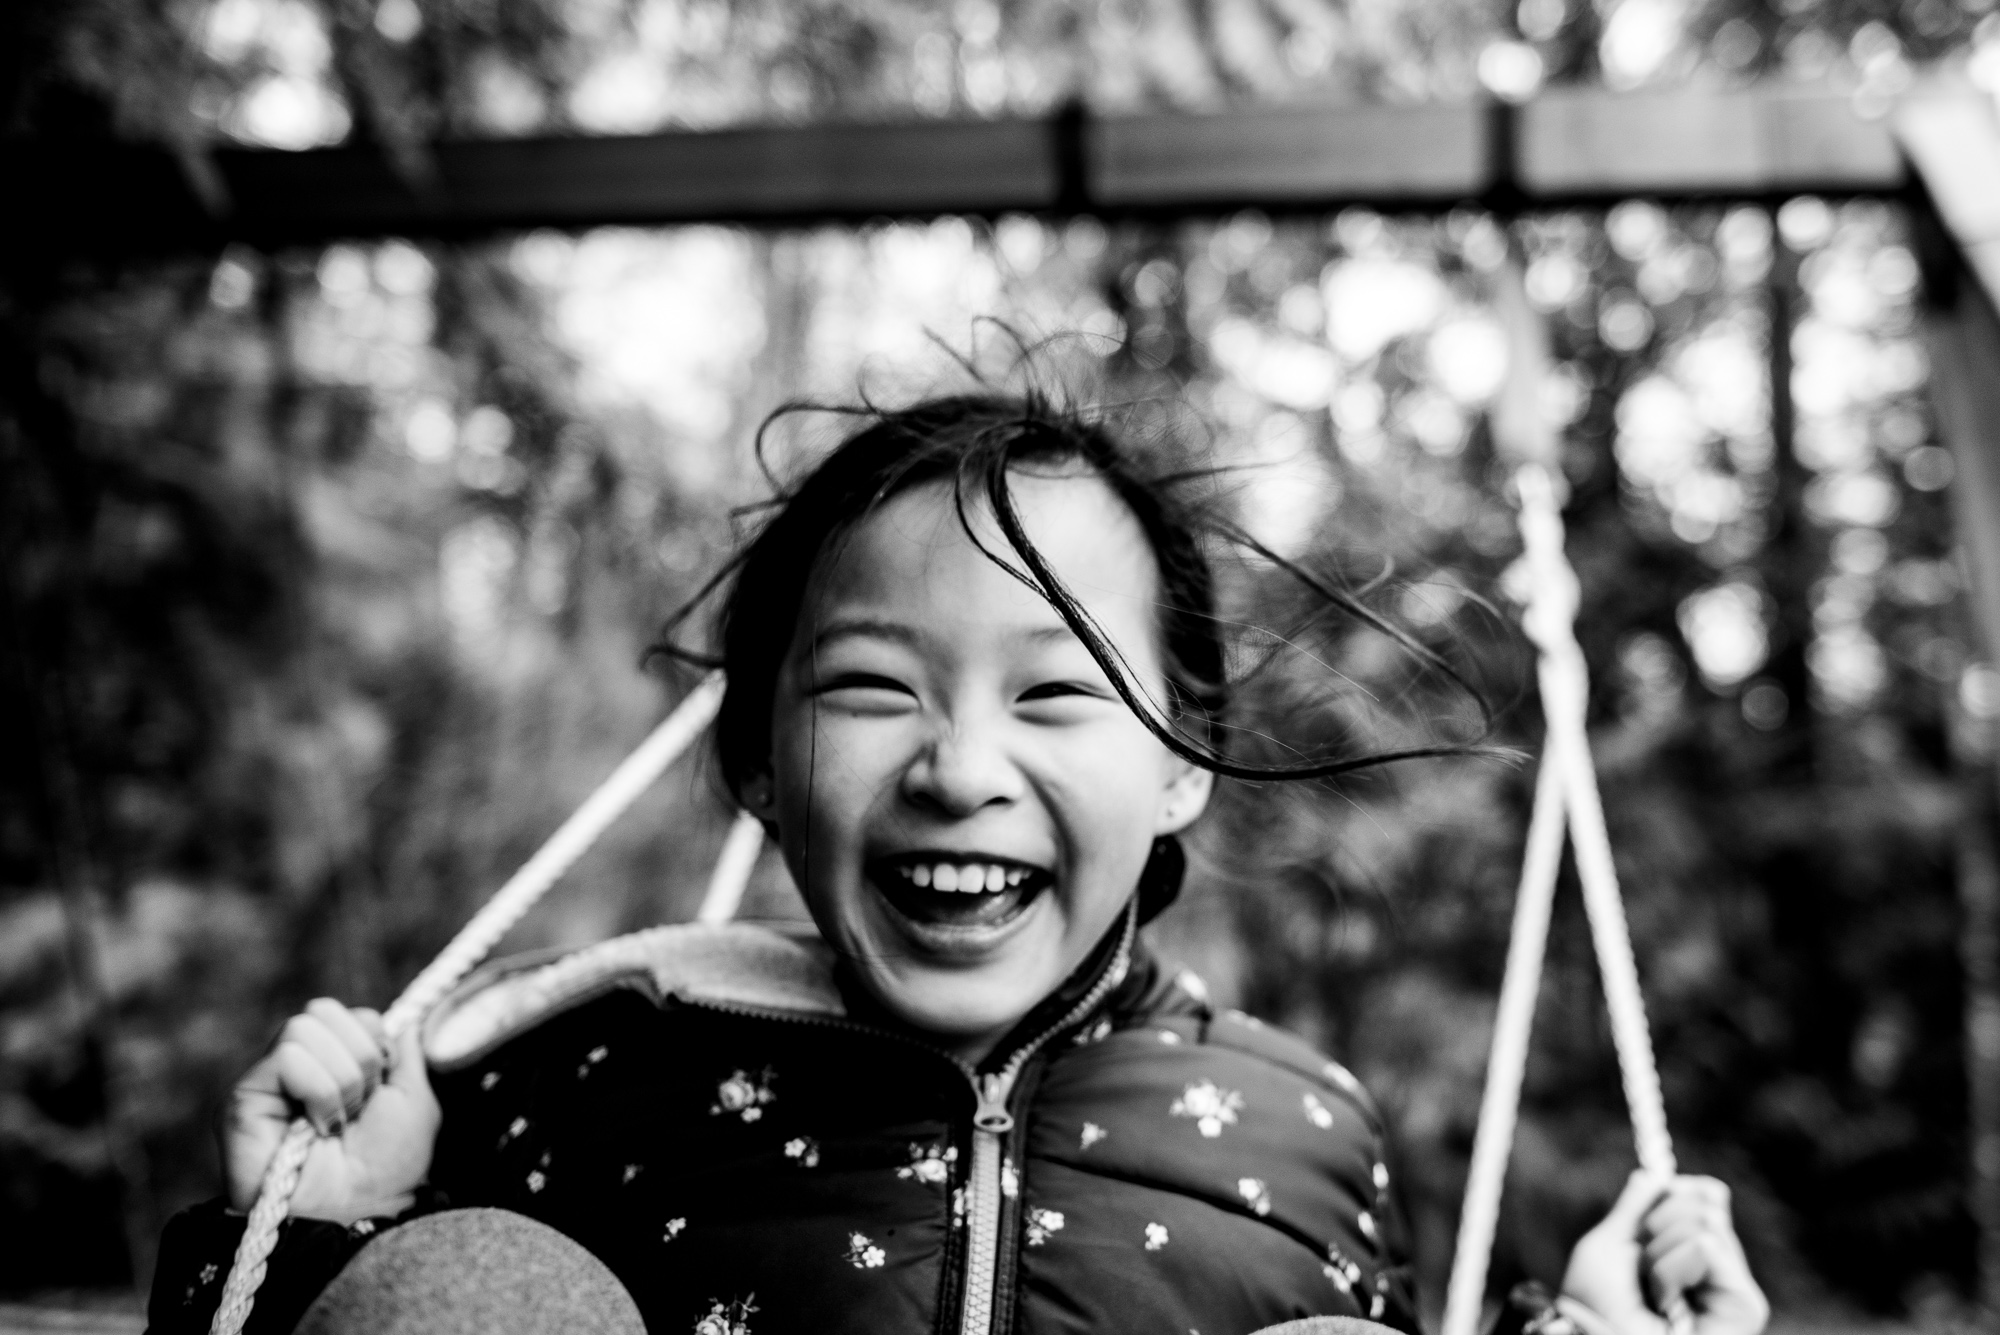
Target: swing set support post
[1953,148]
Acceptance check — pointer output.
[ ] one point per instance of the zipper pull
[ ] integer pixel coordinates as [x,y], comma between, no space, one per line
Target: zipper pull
[992,1114]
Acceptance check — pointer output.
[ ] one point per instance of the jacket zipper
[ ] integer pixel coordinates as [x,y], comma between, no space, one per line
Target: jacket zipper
[984,1185]
[992,1123]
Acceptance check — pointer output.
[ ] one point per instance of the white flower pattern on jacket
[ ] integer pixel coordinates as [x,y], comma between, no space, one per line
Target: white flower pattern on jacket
[744,1094]
[1156,1237]
[1211,1106]
[1343,1272]
[726,1318]
[1092,1033]
[863,1254]
[1042,1224]
[1317,1113]
[929,1164]
[1255,1193]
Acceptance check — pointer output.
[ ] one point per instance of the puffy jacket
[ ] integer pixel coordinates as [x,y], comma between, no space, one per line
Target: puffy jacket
[753,1151]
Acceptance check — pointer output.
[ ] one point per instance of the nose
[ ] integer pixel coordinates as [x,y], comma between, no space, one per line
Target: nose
[961,771]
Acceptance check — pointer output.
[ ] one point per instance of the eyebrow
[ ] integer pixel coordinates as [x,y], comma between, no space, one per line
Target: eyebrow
[843,628]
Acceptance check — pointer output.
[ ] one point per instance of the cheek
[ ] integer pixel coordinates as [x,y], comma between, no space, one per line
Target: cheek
[1109,796]
[827,772]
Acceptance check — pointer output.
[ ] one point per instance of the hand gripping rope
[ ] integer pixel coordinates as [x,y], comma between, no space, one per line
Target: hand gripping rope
[1566,787]
[477,938]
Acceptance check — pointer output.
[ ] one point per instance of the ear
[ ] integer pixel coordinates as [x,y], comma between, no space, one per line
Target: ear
[759,796]
[1183,798]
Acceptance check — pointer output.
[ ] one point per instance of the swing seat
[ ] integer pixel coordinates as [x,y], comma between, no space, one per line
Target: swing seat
[473,1272]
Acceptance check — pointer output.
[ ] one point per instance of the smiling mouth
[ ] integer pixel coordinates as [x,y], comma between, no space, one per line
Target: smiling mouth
[940,890]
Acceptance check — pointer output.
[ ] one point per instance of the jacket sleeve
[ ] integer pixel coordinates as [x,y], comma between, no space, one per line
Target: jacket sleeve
[1396,1281]
[200,1243]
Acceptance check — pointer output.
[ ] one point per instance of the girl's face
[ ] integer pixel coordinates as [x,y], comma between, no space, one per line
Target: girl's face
[965,802]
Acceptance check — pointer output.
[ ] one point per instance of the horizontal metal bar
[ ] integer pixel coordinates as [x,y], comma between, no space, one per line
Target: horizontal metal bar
[1292,157]
[1755,142]
[757,174]
[1570,144]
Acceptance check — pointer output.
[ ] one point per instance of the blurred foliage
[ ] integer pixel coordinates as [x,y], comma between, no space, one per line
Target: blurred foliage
[327,574]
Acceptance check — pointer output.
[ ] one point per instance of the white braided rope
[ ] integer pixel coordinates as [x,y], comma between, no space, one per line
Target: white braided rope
[733,866]
[634,775]
[1567,787]
[1508,1059]
[1565,682]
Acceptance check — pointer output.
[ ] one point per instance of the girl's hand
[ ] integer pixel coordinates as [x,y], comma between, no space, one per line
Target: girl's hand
[374,1109]
[1677,1236]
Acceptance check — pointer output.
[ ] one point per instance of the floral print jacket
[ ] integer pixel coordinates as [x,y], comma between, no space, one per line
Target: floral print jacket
[753,1152]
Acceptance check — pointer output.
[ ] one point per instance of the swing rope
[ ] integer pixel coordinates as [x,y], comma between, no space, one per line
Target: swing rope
[1566,795]
[731,876]
[1566,788]
[472,944]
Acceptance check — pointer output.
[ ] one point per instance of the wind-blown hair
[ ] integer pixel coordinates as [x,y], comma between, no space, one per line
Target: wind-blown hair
[975,441]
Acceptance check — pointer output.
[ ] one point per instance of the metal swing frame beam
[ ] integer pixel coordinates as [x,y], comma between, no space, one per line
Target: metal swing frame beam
[1568,146]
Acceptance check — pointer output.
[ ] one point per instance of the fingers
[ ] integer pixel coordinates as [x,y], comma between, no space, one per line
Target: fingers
[1690,1207]
[1687,1198]
[360,1031]
[1684,1266]
[1690,1248]
[307,1083]
[1642,1191]
[329,1060]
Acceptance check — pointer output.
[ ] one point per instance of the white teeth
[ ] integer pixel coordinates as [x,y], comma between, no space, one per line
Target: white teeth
[964,878]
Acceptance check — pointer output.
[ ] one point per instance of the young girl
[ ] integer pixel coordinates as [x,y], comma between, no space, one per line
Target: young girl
[975,691]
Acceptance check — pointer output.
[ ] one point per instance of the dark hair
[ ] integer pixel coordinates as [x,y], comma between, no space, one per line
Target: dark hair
[975,440]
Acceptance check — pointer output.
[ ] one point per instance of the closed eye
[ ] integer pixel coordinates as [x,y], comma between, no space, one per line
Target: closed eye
[861,681]
[1057,690]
